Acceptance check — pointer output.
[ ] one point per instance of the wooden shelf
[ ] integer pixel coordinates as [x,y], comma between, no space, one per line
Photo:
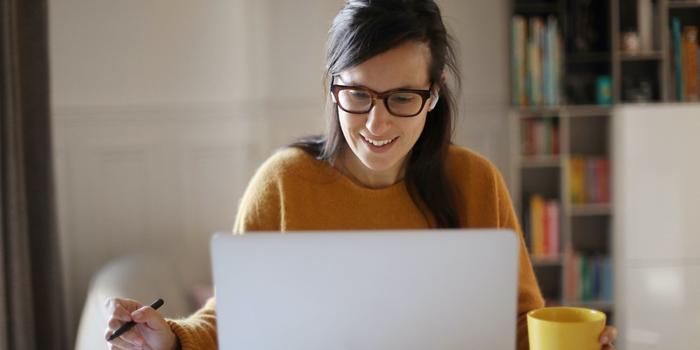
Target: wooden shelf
[641,56]
[540,161]
[536,8]
[683,4]
[536,112]
[546,261]
[591,209]
[570,110]
[587,111]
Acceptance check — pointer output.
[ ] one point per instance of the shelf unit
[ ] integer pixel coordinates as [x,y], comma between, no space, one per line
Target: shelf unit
[548,175]
[591,35]
[655,66]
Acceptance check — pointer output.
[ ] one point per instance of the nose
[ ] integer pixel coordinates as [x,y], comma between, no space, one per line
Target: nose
[378,119]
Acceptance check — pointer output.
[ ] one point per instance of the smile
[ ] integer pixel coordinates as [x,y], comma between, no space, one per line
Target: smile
[378,143]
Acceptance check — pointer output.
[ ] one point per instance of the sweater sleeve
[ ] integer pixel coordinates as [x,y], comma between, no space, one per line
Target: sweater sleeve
[197,331]
[529,295]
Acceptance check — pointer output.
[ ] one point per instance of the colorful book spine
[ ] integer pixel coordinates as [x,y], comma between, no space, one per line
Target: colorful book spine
[588,277]
[535,61]
[589,180]
[690,63]
[677,57]
[555,61]
[519,49]
[543,227]
[552,224]
[540,136]
[536,225]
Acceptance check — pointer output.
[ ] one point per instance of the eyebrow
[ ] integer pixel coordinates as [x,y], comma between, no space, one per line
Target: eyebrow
[352,83]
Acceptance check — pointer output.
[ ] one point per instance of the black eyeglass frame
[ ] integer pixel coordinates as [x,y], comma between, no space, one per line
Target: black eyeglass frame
[424,94]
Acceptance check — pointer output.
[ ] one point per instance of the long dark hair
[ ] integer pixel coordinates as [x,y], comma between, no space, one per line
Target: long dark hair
[366,28]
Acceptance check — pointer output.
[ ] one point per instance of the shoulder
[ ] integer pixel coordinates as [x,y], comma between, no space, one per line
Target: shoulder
[463,163]
[290,162]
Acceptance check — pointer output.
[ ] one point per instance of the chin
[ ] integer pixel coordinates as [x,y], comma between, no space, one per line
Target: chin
[379,163]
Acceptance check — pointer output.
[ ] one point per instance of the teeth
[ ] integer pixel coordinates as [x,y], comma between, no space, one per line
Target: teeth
[378,143]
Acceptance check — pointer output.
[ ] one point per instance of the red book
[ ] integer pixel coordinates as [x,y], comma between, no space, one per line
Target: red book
[546,229]
[553,228]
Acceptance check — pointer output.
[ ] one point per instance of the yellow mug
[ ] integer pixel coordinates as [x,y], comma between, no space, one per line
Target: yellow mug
[570,328]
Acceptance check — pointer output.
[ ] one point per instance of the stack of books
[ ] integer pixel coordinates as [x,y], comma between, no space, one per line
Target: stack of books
[686,61]
[540,136]
[588,278]
[589,180]
[542,225]
[536,61]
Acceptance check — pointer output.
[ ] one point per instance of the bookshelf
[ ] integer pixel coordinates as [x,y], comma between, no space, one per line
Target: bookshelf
[571,63]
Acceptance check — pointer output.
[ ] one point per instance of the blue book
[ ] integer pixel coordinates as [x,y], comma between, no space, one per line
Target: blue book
[677,54]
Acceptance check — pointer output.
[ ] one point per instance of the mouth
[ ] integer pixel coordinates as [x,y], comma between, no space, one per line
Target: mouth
[378,143]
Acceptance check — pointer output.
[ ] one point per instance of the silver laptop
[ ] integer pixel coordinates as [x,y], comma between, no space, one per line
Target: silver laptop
[402,290]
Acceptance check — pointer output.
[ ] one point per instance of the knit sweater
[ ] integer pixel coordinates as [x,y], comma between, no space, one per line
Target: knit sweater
[292,191]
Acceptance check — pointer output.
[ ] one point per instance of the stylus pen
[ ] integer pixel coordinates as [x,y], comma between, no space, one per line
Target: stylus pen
[127,326]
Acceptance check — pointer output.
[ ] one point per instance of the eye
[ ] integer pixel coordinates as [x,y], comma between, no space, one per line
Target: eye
[358,94]
[403,97]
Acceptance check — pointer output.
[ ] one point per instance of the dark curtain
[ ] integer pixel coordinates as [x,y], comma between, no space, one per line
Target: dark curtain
[31,292]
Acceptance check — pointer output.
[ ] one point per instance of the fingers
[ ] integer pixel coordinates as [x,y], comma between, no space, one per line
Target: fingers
[150,317]
[119,312]
[608,336]
[129,340]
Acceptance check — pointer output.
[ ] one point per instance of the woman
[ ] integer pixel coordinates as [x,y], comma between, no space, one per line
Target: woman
[385,161]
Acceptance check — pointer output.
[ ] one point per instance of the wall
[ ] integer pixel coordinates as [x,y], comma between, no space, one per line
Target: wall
[656,204]
[163,110]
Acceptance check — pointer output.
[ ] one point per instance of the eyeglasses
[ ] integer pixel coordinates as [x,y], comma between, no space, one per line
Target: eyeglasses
[399,102]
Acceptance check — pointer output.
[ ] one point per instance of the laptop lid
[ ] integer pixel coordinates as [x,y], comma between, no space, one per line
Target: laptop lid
[405,290]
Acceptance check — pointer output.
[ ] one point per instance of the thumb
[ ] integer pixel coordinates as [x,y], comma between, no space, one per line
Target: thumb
[150,318]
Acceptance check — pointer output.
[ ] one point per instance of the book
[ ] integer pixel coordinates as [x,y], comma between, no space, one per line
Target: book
[588,277]
[519,48]
[535,61]
[536,225]
[552,225]
[677,58]
[589,179]
[690,63]
[543,227]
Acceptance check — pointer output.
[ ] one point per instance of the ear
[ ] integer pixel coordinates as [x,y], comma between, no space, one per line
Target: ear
[434,97]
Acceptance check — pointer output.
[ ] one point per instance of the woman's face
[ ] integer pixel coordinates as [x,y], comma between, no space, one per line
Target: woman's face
[380,142]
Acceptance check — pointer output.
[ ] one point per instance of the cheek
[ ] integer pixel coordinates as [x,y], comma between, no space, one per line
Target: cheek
[415,127]
[350,123]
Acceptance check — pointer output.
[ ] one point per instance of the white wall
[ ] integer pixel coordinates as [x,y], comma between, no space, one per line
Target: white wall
[163,109]
[656,205]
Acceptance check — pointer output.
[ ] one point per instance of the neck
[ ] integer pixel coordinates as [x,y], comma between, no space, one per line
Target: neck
[353,168]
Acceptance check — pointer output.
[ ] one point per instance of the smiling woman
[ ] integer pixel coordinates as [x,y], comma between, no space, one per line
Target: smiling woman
[386,160]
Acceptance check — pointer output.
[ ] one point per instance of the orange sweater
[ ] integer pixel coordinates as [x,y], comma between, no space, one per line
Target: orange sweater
[292,191]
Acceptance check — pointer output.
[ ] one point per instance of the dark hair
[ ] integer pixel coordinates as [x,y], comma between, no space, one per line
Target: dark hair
[366,28]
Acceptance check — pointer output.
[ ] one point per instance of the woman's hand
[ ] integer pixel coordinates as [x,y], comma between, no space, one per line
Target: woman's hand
[608,337]
[150,332]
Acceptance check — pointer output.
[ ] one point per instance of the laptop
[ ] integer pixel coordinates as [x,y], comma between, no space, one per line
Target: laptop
[402,290]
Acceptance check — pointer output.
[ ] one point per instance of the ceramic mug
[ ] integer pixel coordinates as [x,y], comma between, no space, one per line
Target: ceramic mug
[570,328]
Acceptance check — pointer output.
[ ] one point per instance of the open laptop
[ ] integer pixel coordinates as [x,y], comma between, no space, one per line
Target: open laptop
[402,290]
